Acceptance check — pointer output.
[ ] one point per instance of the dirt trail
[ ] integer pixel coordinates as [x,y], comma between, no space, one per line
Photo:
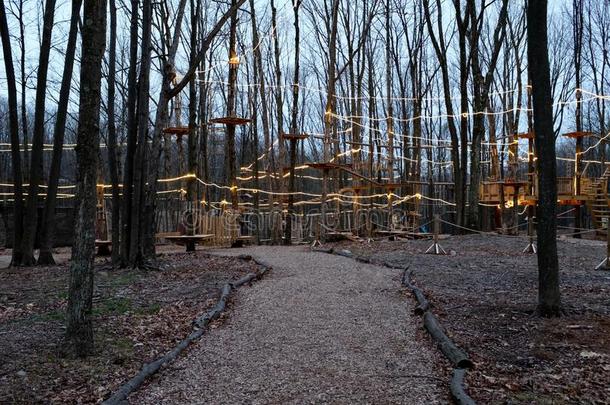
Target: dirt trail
[317,329]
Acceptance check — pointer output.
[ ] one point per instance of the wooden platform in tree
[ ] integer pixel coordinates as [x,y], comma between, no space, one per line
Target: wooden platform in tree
[578,134]
[189,240]
[294,137]
[361,187]
[328,166]
[345,168]
[180,131]
[231,121]
[525,135]
[361,144]
[392,186]
[513,183]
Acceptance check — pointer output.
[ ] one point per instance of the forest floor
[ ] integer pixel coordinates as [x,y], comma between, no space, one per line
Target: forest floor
[138,315]
[485,293]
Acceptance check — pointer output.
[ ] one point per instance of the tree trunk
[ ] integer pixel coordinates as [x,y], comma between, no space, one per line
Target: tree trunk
[293,123]
[549,297]
[230,163]
[112,139]
[31,212]
[14,131]
[139,178]
[48,217]
[24,82]
[193,161]
[258,66]
[79,331]
[577,7]
[132,95]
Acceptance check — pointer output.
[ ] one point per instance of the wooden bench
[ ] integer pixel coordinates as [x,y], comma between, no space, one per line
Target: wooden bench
[241,240]
[188,240]
[164,235]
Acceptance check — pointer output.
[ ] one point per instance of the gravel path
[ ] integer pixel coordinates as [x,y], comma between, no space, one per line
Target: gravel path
[317,329]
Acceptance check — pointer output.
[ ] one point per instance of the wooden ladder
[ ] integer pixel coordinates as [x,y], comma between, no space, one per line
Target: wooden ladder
[598,205]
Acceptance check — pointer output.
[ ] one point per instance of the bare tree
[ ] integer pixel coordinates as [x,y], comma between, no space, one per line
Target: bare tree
[112,138]
[549,297]
[132,96]
[48,217]
[79,331]
[294,120]
[14,131]
[31,211]
[481,83]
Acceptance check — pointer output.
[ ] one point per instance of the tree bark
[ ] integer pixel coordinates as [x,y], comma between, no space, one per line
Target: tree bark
[31,212]
[48,217]
[481,84]
[577,19]
[456,157]
[139,178]
[112,139]
[79,332]
[132,95]
[293,123]
[14,133]
[193,161]
[549,297]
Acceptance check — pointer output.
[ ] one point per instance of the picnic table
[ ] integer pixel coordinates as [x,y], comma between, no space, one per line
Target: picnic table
[189,240]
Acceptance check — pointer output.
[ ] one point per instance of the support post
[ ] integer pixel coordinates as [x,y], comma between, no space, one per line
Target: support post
[605,264]
[531,246]
[436,248]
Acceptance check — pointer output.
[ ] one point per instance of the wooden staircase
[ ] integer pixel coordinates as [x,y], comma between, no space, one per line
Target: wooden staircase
[599,203]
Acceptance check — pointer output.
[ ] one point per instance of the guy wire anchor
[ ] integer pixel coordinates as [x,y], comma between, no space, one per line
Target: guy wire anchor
[605,264]
[531,246]
[436,248]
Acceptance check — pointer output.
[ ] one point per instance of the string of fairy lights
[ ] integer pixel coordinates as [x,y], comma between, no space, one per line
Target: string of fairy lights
[352,121]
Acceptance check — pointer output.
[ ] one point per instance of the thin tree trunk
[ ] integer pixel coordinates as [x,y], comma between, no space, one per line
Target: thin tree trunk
[132,95]
[139,178]
[79,331]
[14,132]
[24,82]
[258,62]
[231,111]
[293,123]
[31,212]
[577,7]
[193,161]
[48,217]
[113,162]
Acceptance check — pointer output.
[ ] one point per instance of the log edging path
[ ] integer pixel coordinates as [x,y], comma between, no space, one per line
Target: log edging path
[459,359]
[199,327]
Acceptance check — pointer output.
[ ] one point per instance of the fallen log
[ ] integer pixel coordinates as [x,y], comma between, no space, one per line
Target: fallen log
[215,312]
[422,302]
[149,369]
[455,355]
[121,394]
[344,253]
[323,250]
[457,388]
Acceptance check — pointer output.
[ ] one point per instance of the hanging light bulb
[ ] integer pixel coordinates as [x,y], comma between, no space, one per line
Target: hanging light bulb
[234,60]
